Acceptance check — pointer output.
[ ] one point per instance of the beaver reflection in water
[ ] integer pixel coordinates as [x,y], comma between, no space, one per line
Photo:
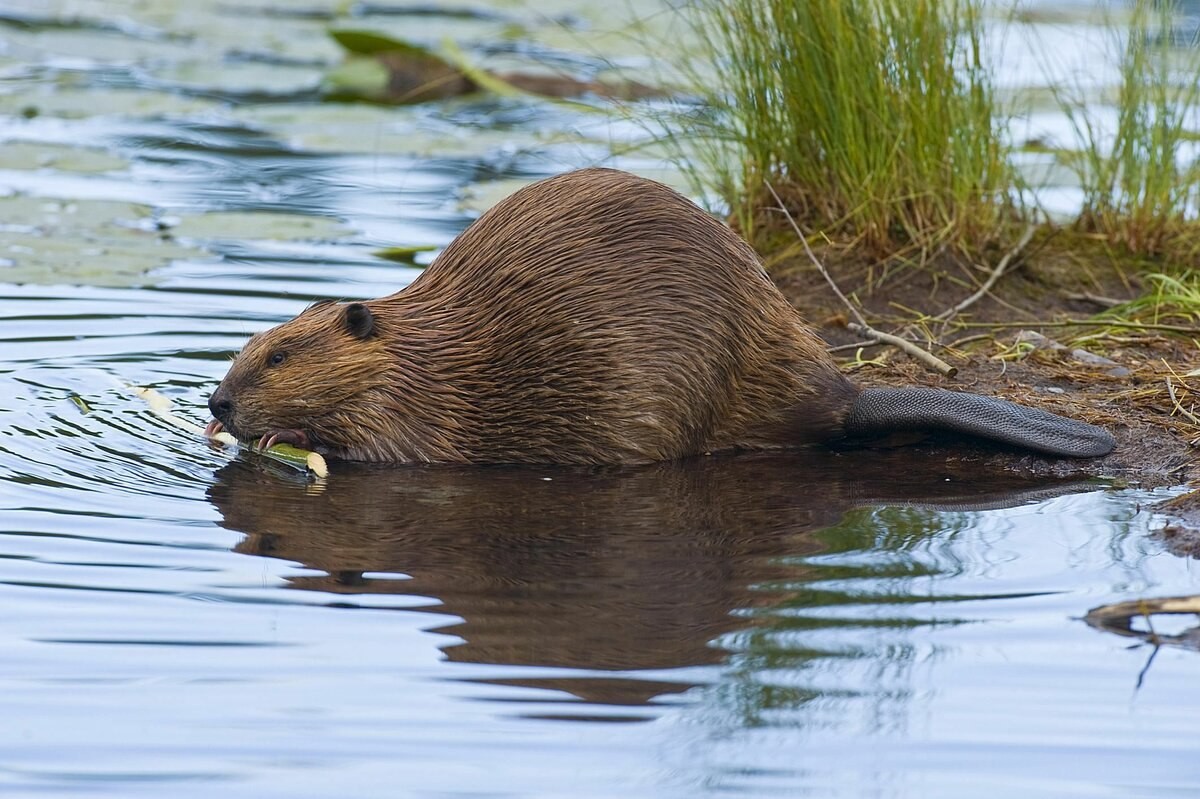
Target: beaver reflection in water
[594,317]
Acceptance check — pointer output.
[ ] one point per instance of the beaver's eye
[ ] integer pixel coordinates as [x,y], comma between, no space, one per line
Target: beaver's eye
[277,358]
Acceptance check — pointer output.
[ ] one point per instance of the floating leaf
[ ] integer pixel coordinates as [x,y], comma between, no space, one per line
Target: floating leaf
[410,73]
[363,78]
[259,225]
[362,42]
[31,99]
[404,255]
[93,242]
[481,78]
[62,157]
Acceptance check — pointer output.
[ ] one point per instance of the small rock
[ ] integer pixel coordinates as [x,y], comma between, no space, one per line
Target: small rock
[1040,342]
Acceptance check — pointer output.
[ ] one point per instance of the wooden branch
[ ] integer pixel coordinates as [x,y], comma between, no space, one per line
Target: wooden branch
[1119,614]
[812,257]
[1191,417]
[1096,299]
[856,345]
[995,275]
[861,326]
[925,357]
[1189,330]
[297,458]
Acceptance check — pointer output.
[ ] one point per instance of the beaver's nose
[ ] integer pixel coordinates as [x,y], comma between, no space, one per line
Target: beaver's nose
[221,404]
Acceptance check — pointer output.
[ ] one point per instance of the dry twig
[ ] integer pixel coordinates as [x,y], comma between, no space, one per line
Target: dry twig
[995,275]
[1182,411]
[1195,331]
[927,358]
[812,257]
[861,326]
[1179,406]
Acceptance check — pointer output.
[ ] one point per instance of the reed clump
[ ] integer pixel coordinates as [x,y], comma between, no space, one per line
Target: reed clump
[1136,161]
[1166,300]
[874,120]
[877,123]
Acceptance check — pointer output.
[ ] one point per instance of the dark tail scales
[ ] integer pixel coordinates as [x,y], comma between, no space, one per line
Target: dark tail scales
[884,410]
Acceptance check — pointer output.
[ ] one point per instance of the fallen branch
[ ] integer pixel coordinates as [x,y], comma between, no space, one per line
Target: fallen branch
[925,357]
[995,275]
[297,458]
[1194,331]
[1118,616]
[1191,417]
[812,257]
[1095,299]
[861,327]
[856,345]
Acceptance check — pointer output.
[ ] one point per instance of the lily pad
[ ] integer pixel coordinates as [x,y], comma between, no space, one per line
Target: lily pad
[92,44]
[241,78]
[405,255]
[356,77]
[384,69]
[99,243]
[363,42]
[405,130]
[72,103]
[479,197]
[330,128]
[243,225]
[56,217]
[36,155]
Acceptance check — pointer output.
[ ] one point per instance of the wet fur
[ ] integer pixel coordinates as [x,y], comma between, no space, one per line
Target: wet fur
[595,317]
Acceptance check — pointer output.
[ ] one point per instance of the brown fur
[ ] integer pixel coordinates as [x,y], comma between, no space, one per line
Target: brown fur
[595,317]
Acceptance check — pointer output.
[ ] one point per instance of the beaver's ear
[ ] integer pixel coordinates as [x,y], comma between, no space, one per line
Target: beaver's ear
[359,320]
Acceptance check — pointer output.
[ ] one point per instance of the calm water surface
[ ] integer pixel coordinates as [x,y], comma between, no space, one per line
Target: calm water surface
[186,622]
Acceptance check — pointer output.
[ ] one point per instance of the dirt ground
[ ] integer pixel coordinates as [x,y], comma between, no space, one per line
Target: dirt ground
[1017,342]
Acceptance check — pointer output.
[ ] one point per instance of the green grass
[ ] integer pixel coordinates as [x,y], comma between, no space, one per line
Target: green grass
[873,119]
[877,123]
[1168,299]
[1140,190]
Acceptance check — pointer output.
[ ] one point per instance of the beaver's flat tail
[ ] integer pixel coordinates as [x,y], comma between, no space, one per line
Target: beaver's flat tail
[886,410]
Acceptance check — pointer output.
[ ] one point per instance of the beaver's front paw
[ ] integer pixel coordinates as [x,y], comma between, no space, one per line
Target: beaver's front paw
[297,438]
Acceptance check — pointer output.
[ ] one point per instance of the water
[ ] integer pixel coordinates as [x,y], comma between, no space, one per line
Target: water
[186,622]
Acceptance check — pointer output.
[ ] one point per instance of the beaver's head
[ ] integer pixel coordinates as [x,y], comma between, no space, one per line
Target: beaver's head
[299,382]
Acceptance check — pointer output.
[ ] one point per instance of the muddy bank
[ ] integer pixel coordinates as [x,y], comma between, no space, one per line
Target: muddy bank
[1153,448]
[1041,337]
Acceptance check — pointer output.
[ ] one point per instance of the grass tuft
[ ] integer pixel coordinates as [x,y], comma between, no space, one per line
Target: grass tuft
[1168,299]
[1139,173]
[874,120]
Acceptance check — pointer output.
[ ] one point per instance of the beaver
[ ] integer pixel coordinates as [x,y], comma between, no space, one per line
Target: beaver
[595,317]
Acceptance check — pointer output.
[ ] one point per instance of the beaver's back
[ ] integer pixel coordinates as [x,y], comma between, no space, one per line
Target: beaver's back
[602,317]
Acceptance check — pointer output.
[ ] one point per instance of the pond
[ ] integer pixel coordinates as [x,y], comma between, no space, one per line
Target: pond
[190,622]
